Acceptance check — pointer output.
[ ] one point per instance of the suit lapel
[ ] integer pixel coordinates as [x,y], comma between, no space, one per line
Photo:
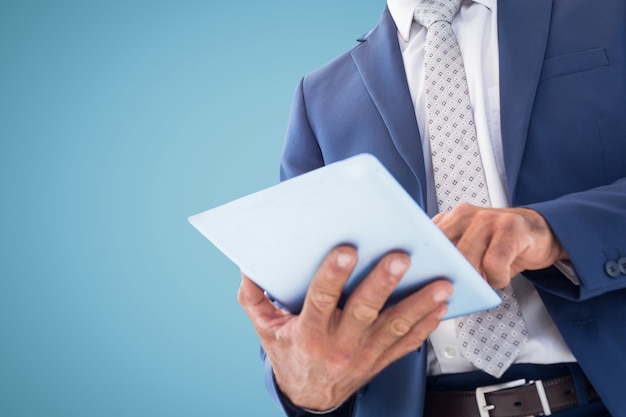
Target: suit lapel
[522,36]
[379,62]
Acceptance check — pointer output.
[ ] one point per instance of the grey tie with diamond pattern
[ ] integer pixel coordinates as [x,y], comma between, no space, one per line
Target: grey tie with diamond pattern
[490,340]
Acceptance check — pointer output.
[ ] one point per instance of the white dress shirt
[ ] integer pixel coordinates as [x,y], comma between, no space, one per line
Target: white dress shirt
[476,28]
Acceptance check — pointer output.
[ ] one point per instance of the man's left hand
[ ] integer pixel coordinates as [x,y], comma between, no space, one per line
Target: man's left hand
[500,243]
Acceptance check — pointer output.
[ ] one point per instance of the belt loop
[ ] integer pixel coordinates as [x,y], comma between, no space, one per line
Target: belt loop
[580,383]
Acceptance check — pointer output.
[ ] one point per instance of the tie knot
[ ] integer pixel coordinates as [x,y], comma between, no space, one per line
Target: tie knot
[428,12]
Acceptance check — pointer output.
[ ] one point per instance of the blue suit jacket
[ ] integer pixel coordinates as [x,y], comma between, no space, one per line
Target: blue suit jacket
[563,120]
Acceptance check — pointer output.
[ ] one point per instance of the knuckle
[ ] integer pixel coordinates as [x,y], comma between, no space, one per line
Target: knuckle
[510,222]
[465,210]
[365,313]
[484,215]
[507,224]
[324,300]
[399,327]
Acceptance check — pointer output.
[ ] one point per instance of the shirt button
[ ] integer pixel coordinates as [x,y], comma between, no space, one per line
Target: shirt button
[449,353]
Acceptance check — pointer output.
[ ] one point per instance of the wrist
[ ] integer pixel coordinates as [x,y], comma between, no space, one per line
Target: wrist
[539,224]
[293,410]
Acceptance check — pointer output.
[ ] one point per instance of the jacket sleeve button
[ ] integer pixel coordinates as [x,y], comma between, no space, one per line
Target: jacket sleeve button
[622,265]
[612,268]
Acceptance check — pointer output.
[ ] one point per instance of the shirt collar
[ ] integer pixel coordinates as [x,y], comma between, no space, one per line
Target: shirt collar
[402,13]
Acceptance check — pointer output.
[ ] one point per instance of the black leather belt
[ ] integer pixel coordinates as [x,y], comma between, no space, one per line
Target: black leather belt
[510,399]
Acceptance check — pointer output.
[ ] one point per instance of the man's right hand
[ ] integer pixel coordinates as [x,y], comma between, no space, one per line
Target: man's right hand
[325,354]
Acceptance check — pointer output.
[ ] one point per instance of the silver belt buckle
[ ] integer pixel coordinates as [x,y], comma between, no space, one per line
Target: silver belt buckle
[484,408]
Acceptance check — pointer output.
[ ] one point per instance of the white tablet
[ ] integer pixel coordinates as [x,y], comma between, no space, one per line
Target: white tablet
[279,236]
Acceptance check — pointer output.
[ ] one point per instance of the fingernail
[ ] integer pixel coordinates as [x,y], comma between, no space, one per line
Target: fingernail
[344,259]
[442,295]
[398,266]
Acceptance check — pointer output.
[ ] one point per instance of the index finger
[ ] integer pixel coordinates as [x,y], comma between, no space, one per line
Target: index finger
[326,287]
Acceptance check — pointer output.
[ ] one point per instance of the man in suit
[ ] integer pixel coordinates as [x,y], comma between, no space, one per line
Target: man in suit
[547,81]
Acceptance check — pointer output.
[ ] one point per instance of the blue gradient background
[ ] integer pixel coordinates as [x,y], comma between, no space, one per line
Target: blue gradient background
[118,120]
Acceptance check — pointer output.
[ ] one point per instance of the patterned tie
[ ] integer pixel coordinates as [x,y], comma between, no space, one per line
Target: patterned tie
[490,340]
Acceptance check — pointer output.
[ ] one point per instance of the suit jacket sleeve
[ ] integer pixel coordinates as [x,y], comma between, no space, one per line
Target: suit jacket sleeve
[301,152]
[591,225]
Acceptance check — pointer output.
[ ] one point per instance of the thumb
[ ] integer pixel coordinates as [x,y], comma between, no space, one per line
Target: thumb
[263,314]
